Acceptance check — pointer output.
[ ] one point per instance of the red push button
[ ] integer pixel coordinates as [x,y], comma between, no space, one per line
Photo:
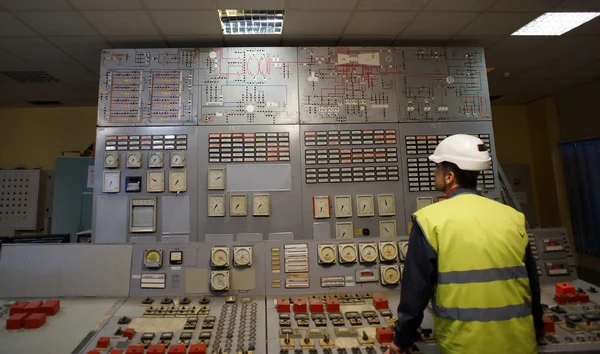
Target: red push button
[35,320]
[103,342]
[384,335]
[380,302]
[116,351]
[548,325]
[32,307]
[316,305]
[18,307]
[300,305]
[564,288]
[333,305]
[572,298]
[50,307]
[156,349]
[583,297]
[198,348]
[177,349]
[561,299]
[129,333]
[93,352]
[16,321]
[135,349]
[283,306]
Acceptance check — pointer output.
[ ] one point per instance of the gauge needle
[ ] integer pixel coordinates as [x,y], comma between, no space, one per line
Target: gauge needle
[153,179]
[385,202]
[344,234]
[176,182]
[110,184]
[260,205]
[219,177]
[321,208]
[237,206]
[386,230]
[215,207]
[342,208]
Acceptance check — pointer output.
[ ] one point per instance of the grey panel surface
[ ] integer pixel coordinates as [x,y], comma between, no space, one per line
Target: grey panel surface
[219,238]
[110,219]
[249,237]
[316,271]
[331,189]
[519,177]
[95,270]
[433,130]
[259,178]
[31,270]
[196,280]
[174,220]
[130,136]
[142,239]
[281,236]
[322,231]
[347,85]
[285,209]
[248,86]
[442,84]
[243,279]
[19,199]
[175,238]
[148,87]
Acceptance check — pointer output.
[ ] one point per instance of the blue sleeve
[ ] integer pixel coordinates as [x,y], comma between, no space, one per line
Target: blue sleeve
[418,282]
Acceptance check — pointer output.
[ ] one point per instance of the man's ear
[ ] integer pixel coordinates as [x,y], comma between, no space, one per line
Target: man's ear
[450,177]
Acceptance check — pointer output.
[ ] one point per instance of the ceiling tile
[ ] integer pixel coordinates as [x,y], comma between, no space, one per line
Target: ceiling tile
[578,5]
[309,40]
[459,5]
[76,73]
[86,50]
[378,22]
[524,5]
[57,23]
[591,28]
[392,4]
[322,5]
[180,4]
[555,49]
[194,41]
[108,4]
[121,23]
[253,41]
[446,23]
[11,27]
[418,41]
[25,5]
[137,42]
[474,41]
[366,41]
[509,49]
[12,63]
[583,72]
[251,5]
[499,23]
[321,22]
[176,23]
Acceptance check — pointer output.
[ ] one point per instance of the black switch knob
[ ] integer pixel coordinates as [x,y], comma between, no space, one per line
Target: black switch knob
[366,232]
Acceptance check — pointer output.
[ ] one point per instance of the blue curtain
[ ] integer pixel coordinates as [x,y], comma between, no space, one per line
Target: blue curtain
[581,163]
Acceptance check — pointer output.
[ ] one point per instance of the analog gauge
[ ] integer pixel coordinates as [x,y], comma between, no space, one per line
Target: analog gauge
[347,253]
[343,206]
[364,205]
[238,205]
[155,182]
[111,159]
[178,159]
[134,159]
[368,252]
[344,230]
[390,275]
[111,182]
[326,254]
[219,281]
[216,205]
[216,179]
[177,181]
[403,246]
[155,160]
[387,228]
[388,251]
[261,205]
[321,206]
[386,204]
[153,258]
[242,256]
[219,256]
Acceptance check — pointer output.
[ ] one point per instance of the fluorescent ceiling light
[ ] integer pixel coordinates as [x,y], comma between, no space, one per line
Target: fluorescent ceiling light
[240,22]
[555,23]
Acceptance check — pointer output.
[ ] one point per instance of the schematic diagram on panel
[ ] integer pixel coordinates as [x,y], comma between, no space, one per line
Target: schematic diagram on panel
[442,84]
[248,86]
[147,87]
[347,85]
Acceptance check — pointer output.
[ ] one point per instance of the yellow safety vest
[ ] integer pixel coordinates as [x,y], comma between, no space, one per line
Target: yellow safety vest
[482,302]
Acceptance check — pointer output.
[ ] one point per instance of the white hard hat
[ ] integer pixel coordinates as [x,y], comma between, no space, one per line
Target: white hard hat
[465,151]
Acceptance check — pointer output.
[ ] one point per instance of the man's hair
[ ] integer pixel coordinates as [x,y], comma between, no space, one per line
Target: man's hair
[466,179]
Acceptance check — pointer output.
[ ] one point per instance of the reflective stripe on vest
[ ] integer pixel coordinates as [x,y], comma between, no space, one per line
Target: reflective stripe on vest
[483,314]
[482,275]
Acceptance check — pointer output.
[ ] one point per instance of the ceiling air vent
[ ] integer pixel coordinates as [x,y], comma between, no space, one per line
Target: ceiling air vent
[30,76]
[236,22]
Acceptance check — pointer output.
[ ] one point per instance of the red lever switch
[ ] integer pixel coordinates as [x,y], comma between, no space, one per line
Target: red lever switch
[50,307]
[548,325]
[19,307]
[32,307]
[564,288]
[300,305]
[129,333]
[35,320]
[316,305]
[16,321]
[177,349]
[156,349]
[384,335]
[135,349]
[103,342]
[333,305]
[116,351]
[283,306]
[198,348]
[380,302]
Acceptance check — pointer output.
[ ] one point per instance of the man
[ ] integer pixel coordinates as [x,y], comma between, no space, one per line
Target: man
[470,255]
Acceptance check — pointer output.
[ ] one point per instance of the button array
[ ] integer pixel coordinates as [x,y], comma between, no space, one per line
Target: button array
[350,156]
[248,147]
[145,142]
[426,144]
[349,137]
[14,194]
[351,174]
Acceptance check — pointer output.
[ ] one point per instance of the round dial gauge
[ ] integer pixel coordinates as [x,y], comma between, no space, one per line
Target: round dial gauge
[156,160]
[219,258]
[389,252]
[133,160]
[327,254]
[348,253]
[391,275]
[219,281]
[109,160]
[242,257]
[153,256]
[177,159]
[369,253]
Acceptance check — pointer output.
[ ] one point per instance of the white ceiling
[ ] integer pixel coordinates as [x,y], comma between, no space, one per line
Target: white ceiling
[64,37]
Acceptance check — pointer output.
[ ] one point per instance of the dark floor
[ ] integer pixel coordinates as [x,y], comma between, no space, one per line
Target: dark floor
[589,275]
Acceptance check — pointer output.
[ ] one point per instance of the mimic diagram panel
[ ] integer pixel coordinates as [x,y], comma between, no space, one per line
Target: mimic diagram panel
[350,181]
[19,198]
[347,85]
[248,86]
[144,185]
[442,84]
[418,141]
[249,181]
[148,87]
